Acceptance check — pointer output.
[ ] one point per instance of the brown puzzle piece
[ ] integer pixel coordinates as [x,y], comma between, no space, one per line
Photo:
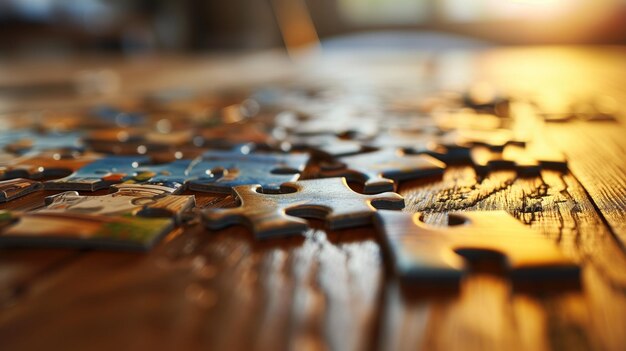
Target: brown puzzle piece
[272,215]
[438,256]
[46,164]
[14,188]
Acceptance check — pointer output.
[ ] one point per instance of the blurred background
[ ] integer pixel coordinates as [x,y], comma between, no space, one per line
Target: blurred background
[59,27]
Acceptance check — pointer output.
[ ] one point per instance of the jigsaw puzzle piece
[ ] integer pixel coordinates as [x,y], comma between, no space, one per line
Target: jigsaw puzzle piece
[46,164]
[495,139]
[427,256]
[231,135]
[83,232]
[135,217]
[483,98]
[273,215]
[127,200]
[326,145]
[109,115]
[220,171]
[382,170]
[99,174]
[20,142]
[130,141]
[335,120]
[468,120]
[527,161]
[14,188]
[173,175]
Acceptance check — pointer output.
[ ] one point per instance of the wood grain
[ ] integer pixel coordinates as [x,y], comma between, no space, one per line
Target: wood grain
[330,290]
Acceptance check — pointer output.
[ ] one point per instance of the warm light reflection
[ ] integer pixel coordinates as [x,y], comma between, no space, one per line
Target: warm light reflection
[531,8]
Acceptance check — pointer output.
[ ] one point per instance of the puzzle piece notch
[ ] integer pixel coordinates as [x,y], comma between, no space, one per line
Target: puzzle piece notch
[382,170]
[426,256]
[275,215]
[527,161]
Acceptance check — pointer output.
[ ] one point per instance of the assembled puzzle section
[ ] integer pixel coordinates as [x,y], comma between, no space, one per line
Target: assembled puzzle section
[426,256]
[133,218]
[277,215]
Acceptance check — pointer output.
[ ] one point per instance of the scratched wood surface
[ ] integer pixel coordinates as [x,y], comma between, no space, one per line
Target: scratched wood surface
[331,290]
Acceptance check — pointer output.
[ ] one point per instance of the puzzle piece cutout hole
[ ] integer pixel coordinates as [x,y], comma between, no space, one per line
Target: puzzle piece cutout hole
[314,213]
[285,171]
[454,220]
[284,189]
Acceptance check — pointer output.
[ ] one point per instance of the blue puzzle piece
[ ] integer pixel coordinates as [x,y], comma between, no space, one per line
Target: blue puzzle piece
[116,117]
[214,171]
[99,174]
[124,169]
[219,171]
[22,141]
[172,175]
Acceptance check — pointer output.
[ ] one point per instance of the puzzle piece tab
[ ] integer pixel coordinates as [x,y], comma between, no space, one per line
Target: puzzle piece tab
[381,170]
[272,215]
[437,256]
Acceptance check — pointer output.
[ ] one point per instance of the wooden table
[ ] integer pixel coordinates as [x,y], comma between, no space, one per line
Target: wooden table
[330,290]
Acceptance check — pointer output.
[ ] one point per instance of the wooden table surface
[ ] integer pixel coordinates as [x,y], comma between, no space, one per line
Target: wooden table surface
[331,290]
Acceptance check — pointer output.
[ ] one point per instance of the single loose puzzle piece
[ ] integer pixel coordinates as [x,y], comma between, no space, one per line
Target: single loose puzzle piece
[527,161]
[272,215]
[134,217]
[426,256]
[381,170]
[220,171]
[14,188]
